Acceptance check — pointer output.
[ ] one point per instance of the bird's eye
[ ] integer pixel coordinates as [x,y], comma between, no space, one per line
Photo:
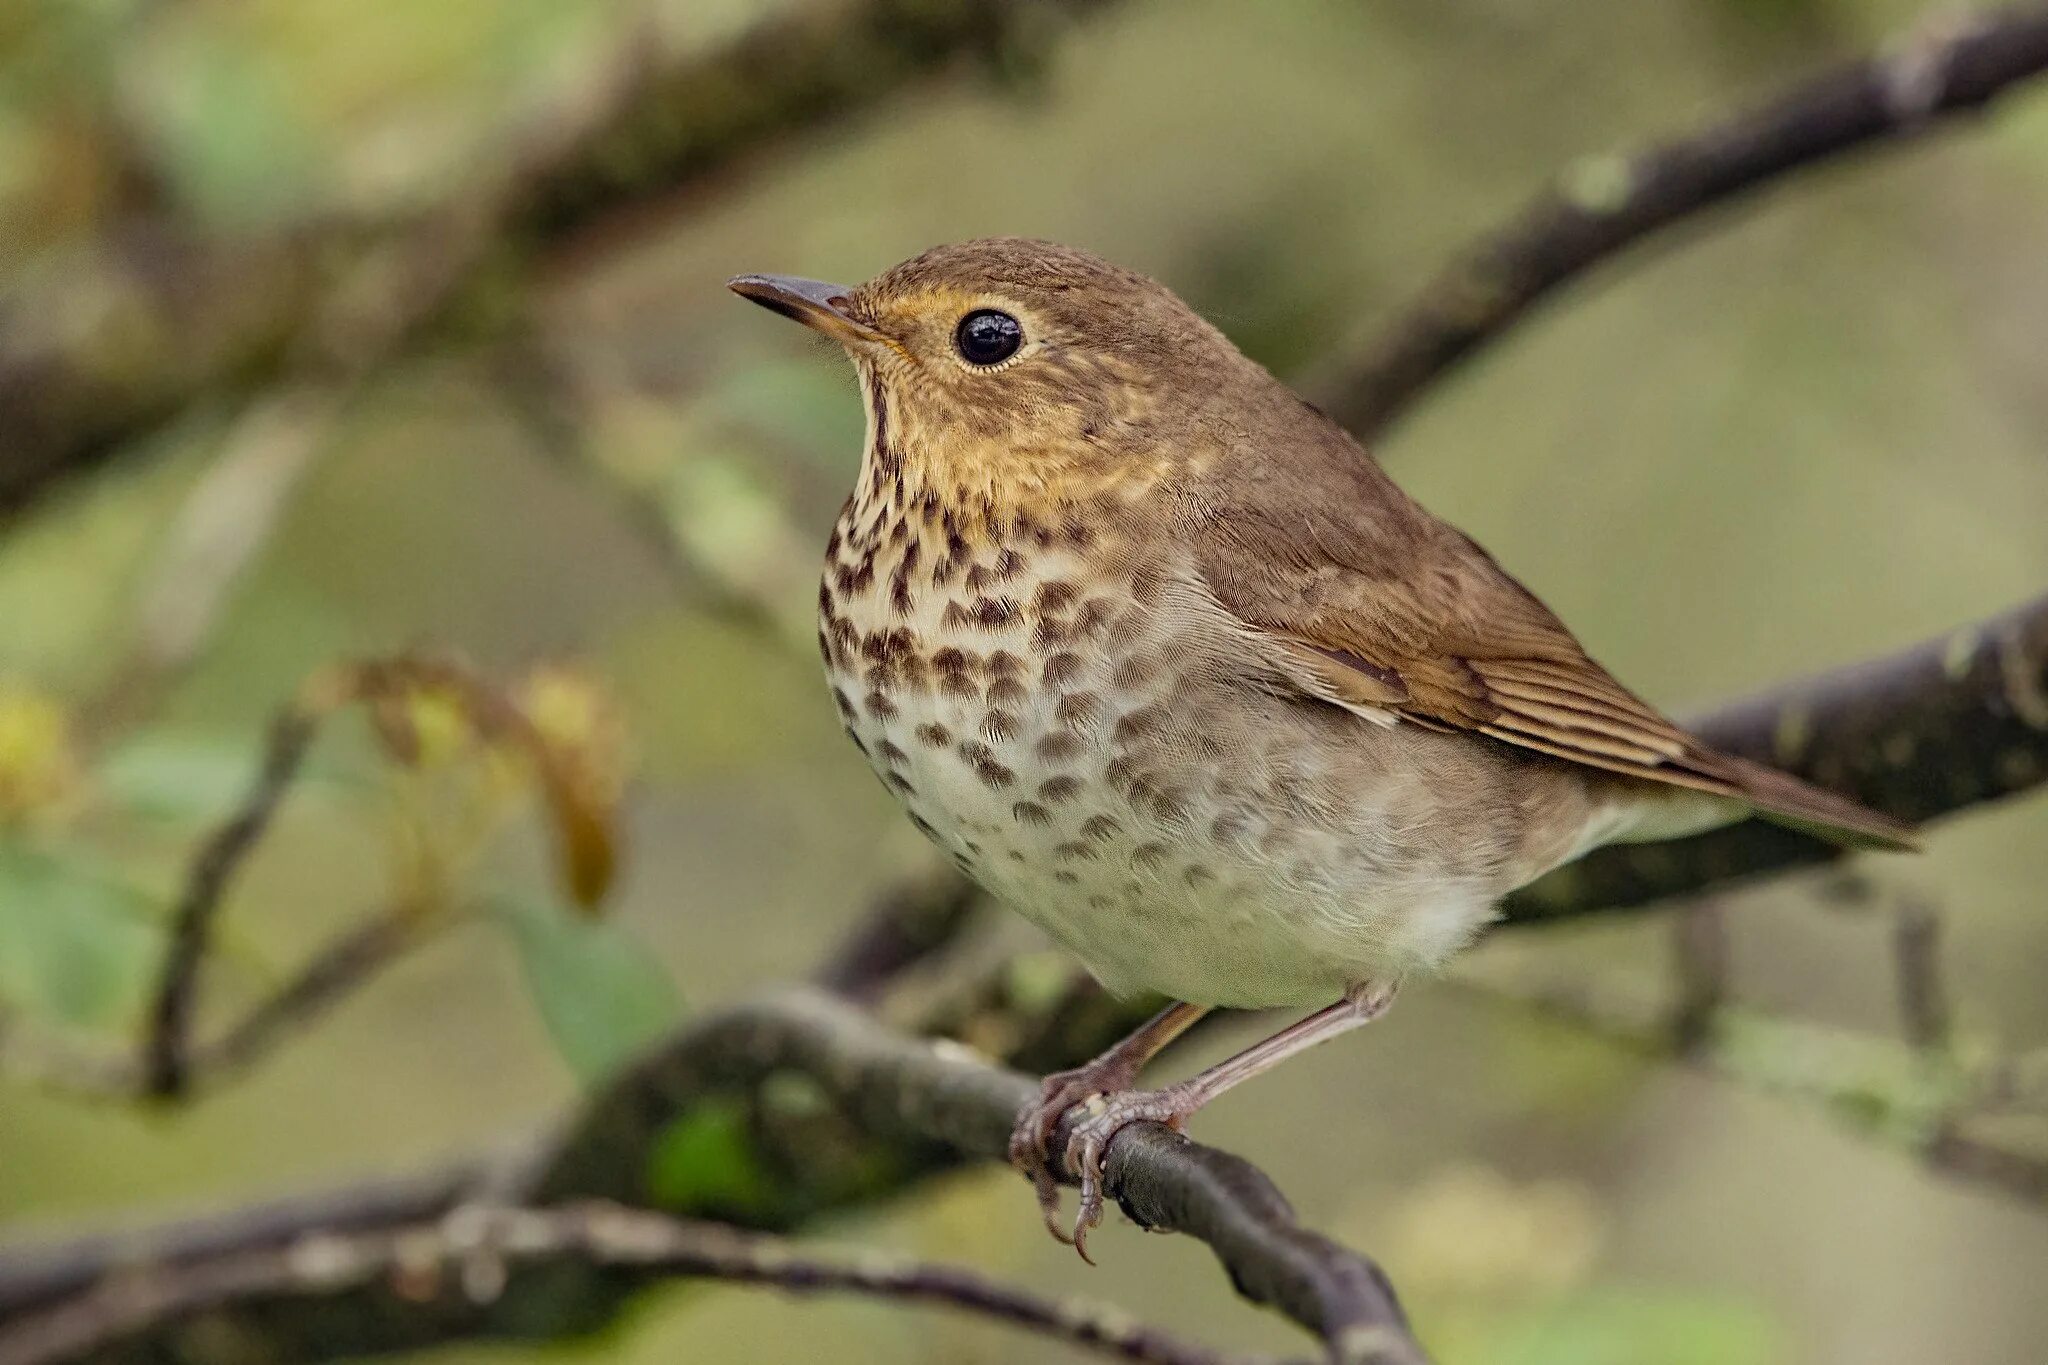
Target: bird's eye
[987,337]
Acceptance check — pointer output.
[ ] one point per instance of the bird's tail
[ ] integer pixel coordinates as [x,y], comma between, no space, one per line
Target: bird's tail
[1785,800]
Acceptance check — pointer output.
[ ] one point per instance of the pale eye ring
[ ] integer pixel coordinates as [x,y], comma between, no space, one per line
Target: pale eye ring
[988,336]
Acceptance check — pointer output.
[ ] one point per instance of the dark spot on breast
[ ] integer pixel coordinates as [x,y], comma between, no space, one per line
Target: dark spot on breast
[1227,827]
[1168,803]
[1149,855]
[1059,789]
[890,753]
[901,783]
[1076,709]
[1136,724]
[934,734]
[1054,595]
[1031,813]
[1061,669]
[1065,878]
[1058,747]
[845,703]
[1004,692]
[1100,827]
[985,613]
[899,581]
[982,759]
[1197,876]
[1004,664]
[878,705]
[998,727]
[1073,850]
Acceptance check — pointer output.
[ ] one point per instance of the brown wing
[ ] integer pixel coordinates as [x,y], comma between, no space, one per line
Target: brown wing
[1377,605]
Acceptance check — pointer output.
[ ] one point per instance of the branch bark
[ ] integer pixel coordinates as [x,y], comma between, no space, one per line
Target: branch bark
[1602,206]
[926,1104]
[462,1262]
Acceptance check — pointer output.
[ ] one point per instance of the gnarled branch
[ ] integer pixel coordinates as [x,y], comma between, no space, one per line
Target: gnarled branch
[462,1263]
[931,1103]
[1602,206]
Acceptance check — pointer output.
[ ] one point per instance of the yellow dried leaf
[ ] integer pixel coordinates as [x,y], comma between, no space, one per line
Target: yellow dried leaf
[38,763]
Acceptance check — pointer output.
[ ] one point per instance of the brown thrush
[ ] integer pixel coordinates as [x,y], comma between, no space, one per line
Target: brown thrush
[1164,660]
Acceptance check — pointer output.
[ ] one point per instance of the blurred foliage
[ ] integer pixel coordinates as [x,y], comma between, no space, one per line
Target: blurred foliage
[1809,432]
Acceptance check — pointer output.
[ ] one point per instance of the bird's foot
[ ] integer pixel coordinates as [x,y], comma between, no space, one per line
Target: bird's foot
[1088,1143]
[1031,1139]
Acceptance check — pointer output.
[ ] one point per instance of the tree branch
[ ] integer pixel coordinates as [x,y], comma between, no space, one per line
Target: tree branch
[1602,206]
[462,1261]
[924,1104]
[196,316]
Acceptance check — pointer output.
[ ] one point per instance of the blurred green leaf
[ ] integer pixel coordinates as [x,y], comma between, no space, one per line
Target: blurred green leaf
[705,1162]
[600,992]
[1620,1327]
[76,941]
[178,776]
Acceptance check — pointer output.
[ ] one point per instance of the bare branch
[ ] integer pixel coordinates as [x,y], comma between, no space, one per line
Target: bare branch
[462,1260]
[924,1104]
[335,972]
[1602,206]
[165,1063]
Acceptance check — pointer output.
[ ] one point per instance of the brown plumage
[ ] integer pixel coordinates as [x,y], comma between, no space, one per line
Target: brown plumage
[1162,657]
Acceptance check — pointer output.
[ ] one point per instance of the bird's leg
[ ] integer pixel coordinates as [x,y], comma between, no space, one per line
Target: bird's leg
[1114,1070]
[1171,1105]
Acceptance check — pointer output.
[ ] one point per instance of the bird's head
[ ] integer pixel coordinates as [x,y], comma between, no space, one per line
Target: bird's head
[1012,370]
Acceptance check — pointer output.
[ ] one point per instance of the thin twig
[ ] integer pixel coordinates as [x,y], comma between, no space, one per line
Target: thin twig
[1604,205]
[165,1060]
[449,1264]
[584,846]
[1916,959]
[1876,1087]
[330,976]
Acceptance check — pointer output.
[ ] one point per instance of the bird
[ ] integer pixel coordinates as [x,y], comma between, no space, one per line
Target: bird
[1165,661]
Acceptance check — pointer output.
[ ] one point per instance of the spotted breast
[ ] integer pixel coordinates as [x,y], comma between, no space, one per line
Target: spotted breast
[1061,710]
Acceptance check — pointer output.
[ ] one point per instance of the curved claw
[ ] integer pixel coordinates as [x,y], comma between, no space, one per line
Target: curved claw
[1088,1146]
[1037,1123]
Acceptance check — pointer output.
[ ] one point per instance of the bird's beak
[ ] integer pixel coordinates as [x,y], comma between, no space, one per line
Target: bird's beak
[821,307]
